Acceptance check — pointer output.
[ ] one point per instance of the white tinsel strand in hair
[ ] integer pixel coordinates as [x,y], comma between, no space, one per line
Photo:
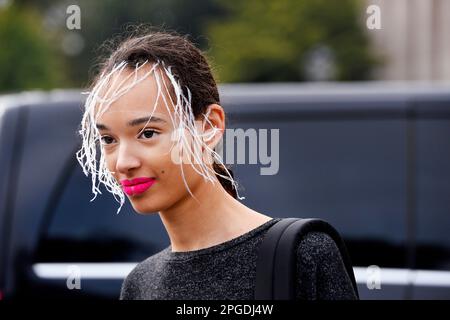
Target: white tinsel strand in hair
[185,113]
[183,121]
[91,136]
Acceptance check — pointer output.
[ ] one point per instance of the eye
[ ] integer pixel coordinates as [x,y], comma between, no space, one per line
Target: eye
[148,133]
[106,140]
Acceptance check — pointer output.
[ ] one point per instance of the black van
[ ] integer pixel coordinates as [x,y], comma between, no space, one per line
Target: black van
[373,159]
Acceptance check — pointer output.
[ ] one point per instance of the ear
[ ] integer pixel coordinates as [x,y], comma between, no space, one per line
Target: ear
[213,125]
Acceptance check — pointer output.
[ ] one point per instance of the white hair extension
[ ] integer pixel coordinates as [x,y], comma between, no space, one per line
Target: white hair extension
[185,113]
[183,121]
[90,133]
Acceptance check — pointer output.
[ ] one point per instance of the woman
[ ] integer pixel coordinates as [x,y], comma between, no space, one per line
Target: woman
[154,111]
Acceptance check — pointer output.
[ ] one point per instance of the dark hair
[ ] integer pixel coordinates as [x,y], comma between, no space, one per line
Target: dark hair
[188,65]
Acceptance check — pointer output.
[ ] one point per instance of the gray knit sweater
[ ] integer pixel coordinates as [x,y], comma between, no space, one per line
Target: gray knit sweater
[227,271]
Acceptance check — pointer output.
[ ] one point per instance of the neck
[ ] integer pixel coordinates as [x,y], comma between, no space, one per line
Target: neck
[216,217]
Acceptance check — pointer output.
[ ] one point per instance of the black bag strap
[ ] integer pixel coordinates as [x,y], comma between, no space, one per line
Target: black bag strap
[277,257]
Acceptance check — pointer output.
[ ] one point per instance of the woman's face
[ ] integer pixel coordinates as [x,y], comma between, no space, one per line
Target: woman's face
[130,154]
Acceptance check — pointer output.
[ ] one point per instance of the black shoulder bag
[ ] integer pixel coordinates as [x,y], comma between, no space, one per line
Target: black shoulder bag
[277,258]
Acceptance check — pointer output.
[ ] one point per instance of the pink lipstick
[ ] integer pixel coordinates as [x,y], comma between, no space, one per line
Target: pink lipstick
[137,185]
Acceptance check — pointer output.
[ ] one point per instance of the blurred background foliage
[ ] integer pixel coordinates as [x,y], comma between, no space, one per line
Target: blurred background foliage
[245,41]
[28,59]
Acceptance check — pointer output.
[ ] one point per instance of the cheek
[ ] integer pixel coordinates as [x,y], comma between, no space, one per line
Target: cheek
[171,174]
[110,162]
[164,167]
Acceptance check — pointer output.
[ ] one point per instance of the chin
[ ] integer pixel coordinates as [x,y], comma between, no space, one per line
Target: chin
[145,210]
[146,213]
[142,208]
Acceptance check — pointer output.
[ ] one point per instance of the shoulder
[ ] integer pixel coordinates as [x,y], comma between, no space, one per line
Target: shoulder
[132,284]
[316,252]
[317,245]
[321,270]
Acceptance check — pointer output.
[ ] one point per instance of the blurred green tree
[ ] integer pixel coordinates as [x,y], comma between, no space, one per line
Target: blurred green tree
[251,40]
[290,40]
[28,59]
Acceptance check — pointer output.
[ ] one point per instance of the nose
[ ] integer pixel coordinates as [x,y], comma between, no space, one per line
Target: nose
[127,160]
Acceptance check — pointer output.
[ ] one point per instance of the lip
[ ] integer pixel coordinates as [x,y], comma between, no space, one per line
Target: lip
[137,185]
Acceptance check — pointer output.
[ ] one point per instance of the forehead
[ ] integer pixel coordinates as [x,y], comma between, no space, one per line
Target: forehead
[135,91]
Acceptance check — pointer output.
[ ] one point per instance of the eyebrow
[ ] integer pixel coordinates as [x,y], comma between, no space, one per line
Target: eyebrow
[134,122]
